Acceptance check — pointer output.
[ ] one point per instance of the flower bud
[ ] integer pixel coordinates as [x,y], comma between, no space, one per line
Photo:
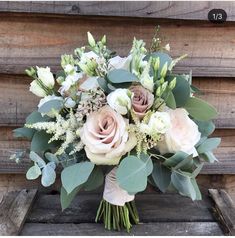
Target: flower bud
[36,89]
[91,39]
[46,77]
[164,70]
[172,83]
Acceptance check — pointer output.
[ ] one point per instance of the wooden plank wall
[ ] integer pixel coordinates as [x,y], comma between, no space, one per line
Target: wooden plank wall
[37,33]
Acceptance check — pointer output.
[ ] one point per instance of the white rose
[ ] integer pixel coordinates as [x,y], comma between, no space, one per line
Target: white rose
[36,89]
[182,136]
[159,122]
[120,100]
[118,62]
[46,99]
[45,75]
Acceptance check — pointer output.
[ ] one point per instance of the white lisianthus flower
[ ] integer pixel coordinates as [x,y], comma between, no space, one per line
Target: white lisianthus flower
[69,81]
[45,75]
[118,62]
[182,136]
[159,123]
[46,99]
[36,89]
[120,100]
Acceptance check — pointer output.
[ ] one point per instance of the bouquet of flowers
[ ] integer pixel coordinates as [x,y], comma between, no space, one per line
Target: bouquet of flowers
[121,122]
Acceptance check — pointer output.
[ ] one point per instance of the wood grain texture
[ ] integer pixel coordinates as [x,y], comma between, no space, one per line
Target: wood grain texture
[13,211]
[174,10]
[9,145]
[29,40]
[151,207]
[149,229]
[17,102]
[225,208]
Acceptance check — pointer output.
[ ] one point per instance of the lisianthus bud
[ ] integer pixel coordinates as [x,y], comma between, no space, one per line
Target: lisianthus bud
[147,82]
[46,77]
[120,100]
[36,89]
[91,39]
[164,70]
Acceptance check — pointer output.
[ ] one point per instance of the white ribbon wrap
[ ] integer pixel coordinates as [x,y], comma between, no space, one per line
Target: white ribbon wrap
[113,193]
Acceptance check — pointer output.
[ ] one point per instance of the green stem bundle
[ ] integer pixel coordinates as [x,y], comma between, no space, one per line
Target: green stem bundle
[117,217]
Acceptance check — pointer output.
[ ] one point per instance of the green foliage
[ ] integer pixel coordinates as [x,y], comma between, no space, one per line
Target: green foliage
[147,160]
[183,184]
[54,104]
[75,175]
[37,159]
[24,133]
[66,199]
[34,172]
[48,174]
[161,176]
[208,157]
[170,100]
[132,174]
[181,90]
[175,159]
[95,180]
[51,157]
[121,76]
[205,127]
[200,110]
[208,145]
[35,117]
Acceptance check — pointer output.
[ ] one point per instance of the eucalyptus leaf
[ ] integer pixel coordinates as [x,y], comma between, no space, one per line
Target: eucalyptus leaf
[161,176]
[148,162]
[48,174]
[196,188]
[183,184]
[66,199]
[200,110]
[51,157]
[181,90]
[95,180]
[34,172]
[37,159]
[55,104]
[175,159]
[208,145]
[208,157]
[170,100]
[24,133]
[132,174]
[35,117]
[75,175]
[205,127]
[103,84]
[121,76]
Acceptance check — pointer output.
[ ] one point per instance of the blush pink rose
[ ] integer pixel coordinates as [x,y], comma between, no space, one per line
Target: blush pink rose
[141,101]
[183,134]
[105,137]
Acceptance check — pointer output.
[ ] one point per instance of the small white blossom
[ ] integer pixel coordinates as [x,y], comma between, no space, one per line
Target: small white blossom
[120,100]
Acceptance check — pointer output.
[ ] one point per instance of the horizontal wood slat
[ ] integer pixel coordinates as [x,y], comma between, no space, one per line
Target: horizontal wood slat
[165,9]
[152,208]
[28,40]
[225,153]
[17,102]
[149,229]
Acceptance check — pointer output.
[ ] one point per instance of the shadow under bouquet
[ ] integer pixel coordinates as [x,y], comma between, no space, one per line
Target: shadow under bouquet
[121,122]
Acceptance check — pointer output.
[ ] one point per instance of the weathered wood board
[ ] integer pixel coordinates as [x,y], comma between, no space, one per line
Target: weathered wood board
[17,102]
[148,229]
[29,40]
[14,208]
[191,10]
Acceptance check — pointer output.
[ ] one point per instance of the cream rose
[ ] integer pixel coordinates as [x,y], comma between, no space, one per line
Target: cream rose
[141,101]
[182,136]
[105,137]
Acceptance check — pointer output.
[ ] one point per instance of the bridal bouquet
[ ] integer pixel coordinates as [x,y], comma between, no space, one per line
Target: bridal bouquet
[121,122]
